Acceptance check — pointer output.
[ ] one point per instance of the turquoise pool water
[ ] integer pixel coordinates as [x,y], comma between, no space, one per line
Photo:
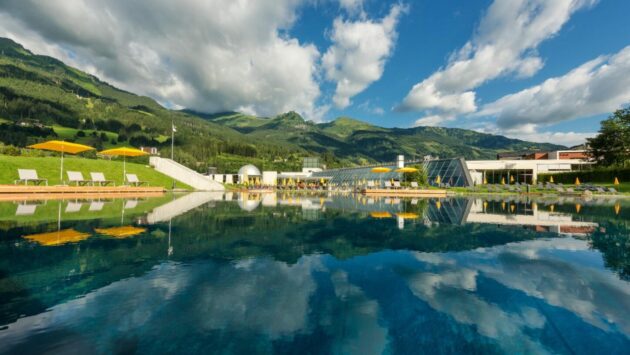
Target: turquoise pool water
[315,274]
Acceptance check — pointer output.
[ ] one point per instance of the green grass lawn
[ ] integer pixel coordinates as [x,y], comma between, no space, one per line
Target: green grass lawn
[48,168]
[48,211]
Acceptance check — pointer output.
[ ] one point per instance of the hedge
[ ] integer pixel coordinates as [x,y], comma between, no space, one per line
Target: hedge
[600,175]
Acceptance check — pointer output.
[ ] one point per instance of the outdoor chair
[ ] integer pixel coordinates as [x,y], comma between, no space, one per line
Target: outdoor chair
[133,180]
[27,175]
[397,185]
[73,207]
[77,178]
[99,179]
[612,189]
[25,209]
[560,189]
[388,185]
[414,184]
[96,206]
[600,190]
[370,184]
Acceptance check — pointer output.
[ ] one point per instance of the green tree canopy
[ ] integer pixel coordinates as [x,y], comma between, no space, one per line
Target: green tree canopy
[612,145]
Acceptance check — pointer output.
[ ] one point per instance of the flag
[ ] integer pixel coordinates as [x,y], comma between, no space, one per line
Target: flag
[174,128]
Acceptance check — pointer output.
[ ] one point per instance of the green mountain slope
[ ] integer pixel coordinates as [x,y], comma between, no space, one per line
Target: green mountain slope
[41,98]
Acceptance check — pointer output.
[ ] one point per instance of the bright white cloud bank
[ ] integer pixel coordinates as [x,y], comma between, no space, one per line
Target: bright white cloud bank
[359,51]
[599,86]
[213,55]
[503,44]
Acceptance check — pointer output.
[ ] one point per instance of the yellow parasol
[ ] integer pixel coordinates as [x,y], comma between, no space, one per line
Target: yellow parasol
[616,182]
[380,214]
[502,181]
[381,169]
[551,179]
[63,147]
[578,208]
[120,232]
[577,181]
[124,152]
[551,208]
[58,237]
[438,180]
[511,178]
[485,181]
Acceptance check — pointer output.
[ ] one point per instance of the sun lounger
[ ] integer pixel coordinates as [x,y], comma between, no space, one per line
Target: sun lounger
[133,180]
[27,175]
[388,185]
[96,206]
[73,207]
[414,184]
[370,184]
[98,178]
[560,189]
[77,178]
[129,204]
[600,190]
[25,210]
[612,189]
[397,184]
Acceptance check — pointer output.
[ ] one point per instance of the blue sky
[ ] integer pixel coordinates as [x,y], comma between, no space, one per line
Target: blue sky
[532,69]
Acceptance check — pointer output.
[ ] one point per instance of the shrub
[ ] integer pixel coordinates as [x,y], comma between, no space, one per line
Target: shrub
[602,175]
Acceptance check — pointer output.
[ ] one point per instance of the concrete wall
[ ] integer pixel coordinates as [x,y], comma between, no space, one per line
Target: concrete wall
[270,178]
[184,174]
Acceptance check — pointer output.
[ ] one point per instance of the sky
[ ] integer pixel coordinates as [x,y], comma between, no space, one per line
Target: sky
[538,70]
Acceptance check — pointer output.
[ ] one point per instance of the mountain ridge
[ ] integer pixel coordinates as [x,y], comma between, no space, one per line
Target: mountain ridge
[65,99]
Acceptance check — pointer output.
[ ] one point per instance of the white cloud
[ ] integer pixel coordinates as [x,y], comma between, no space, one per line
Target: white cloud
[433,120]
[503,44]
[212,55]
[358,54]
[353,7]
[596,87]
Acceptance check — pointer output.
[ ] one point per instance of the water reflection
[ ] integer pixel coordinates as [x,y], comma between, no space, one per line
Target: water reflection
[316,273]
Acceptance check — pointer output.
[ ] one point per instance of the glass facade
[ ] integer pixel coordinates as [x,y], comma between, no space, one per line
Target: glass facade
[350,177]
[451,171]
[448,172]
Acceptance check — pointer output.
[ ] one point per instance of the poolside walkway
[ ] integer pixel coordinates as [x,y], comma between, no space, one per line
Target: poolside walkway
[404,192]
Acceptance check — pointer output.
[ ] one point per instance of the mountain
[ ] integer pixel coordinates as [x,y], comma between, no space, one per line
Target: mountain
[41,97]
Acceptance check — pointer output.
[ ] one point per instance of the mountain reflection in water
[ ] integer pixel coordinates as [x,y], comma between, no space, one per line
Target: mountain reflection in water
[262,273]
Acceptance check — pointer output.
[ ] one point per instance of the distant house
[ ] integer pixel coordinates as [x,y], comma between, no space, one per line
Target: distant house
[150,150]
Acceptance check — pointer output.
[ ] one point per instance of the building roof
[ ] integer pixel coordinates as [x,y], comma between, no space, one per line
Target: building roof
[249,170]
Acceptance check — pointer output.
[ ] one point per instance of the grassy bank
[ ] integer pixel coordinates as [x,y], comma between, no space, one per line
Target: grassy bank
[48,168]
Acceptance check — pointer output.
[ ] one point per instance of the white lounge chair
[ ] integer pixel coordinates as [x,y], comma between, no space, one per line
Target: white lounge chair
[414,184]
[77,178]
[129,204]
[388,185]
[73,207]
[397,184]
[27,175]
[25,210]
[96,206]
[98,178]
[133,180]
[370,184]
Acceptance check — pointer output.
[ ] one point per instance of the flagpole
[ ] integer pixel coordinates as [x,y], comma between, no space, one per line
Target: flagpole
[172,139]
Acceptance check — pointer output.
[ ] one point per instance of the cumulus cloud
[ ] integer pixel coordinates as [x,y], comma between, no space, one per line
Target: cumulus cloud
[358,53]
[595,87]
[503,44]
[212,55]
[354,7]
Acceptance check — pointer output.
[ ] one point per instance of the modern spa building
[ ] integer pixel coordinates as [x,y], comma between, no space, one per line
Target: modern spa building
[523,167]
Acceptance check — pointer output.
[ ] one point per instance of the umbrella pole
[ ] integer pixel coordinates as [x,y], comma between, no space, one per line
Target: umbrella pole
[61,170]
[124,168]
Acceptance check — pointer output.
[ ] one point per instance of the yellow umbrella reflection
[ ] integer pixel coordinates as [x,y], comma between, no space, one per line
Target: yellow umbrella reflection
[62,147]
[380,214]
[120,232]
[617,208]
[438,204]
[58,237]
[124,152]
[406,170]
[408,215]
[381,169]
